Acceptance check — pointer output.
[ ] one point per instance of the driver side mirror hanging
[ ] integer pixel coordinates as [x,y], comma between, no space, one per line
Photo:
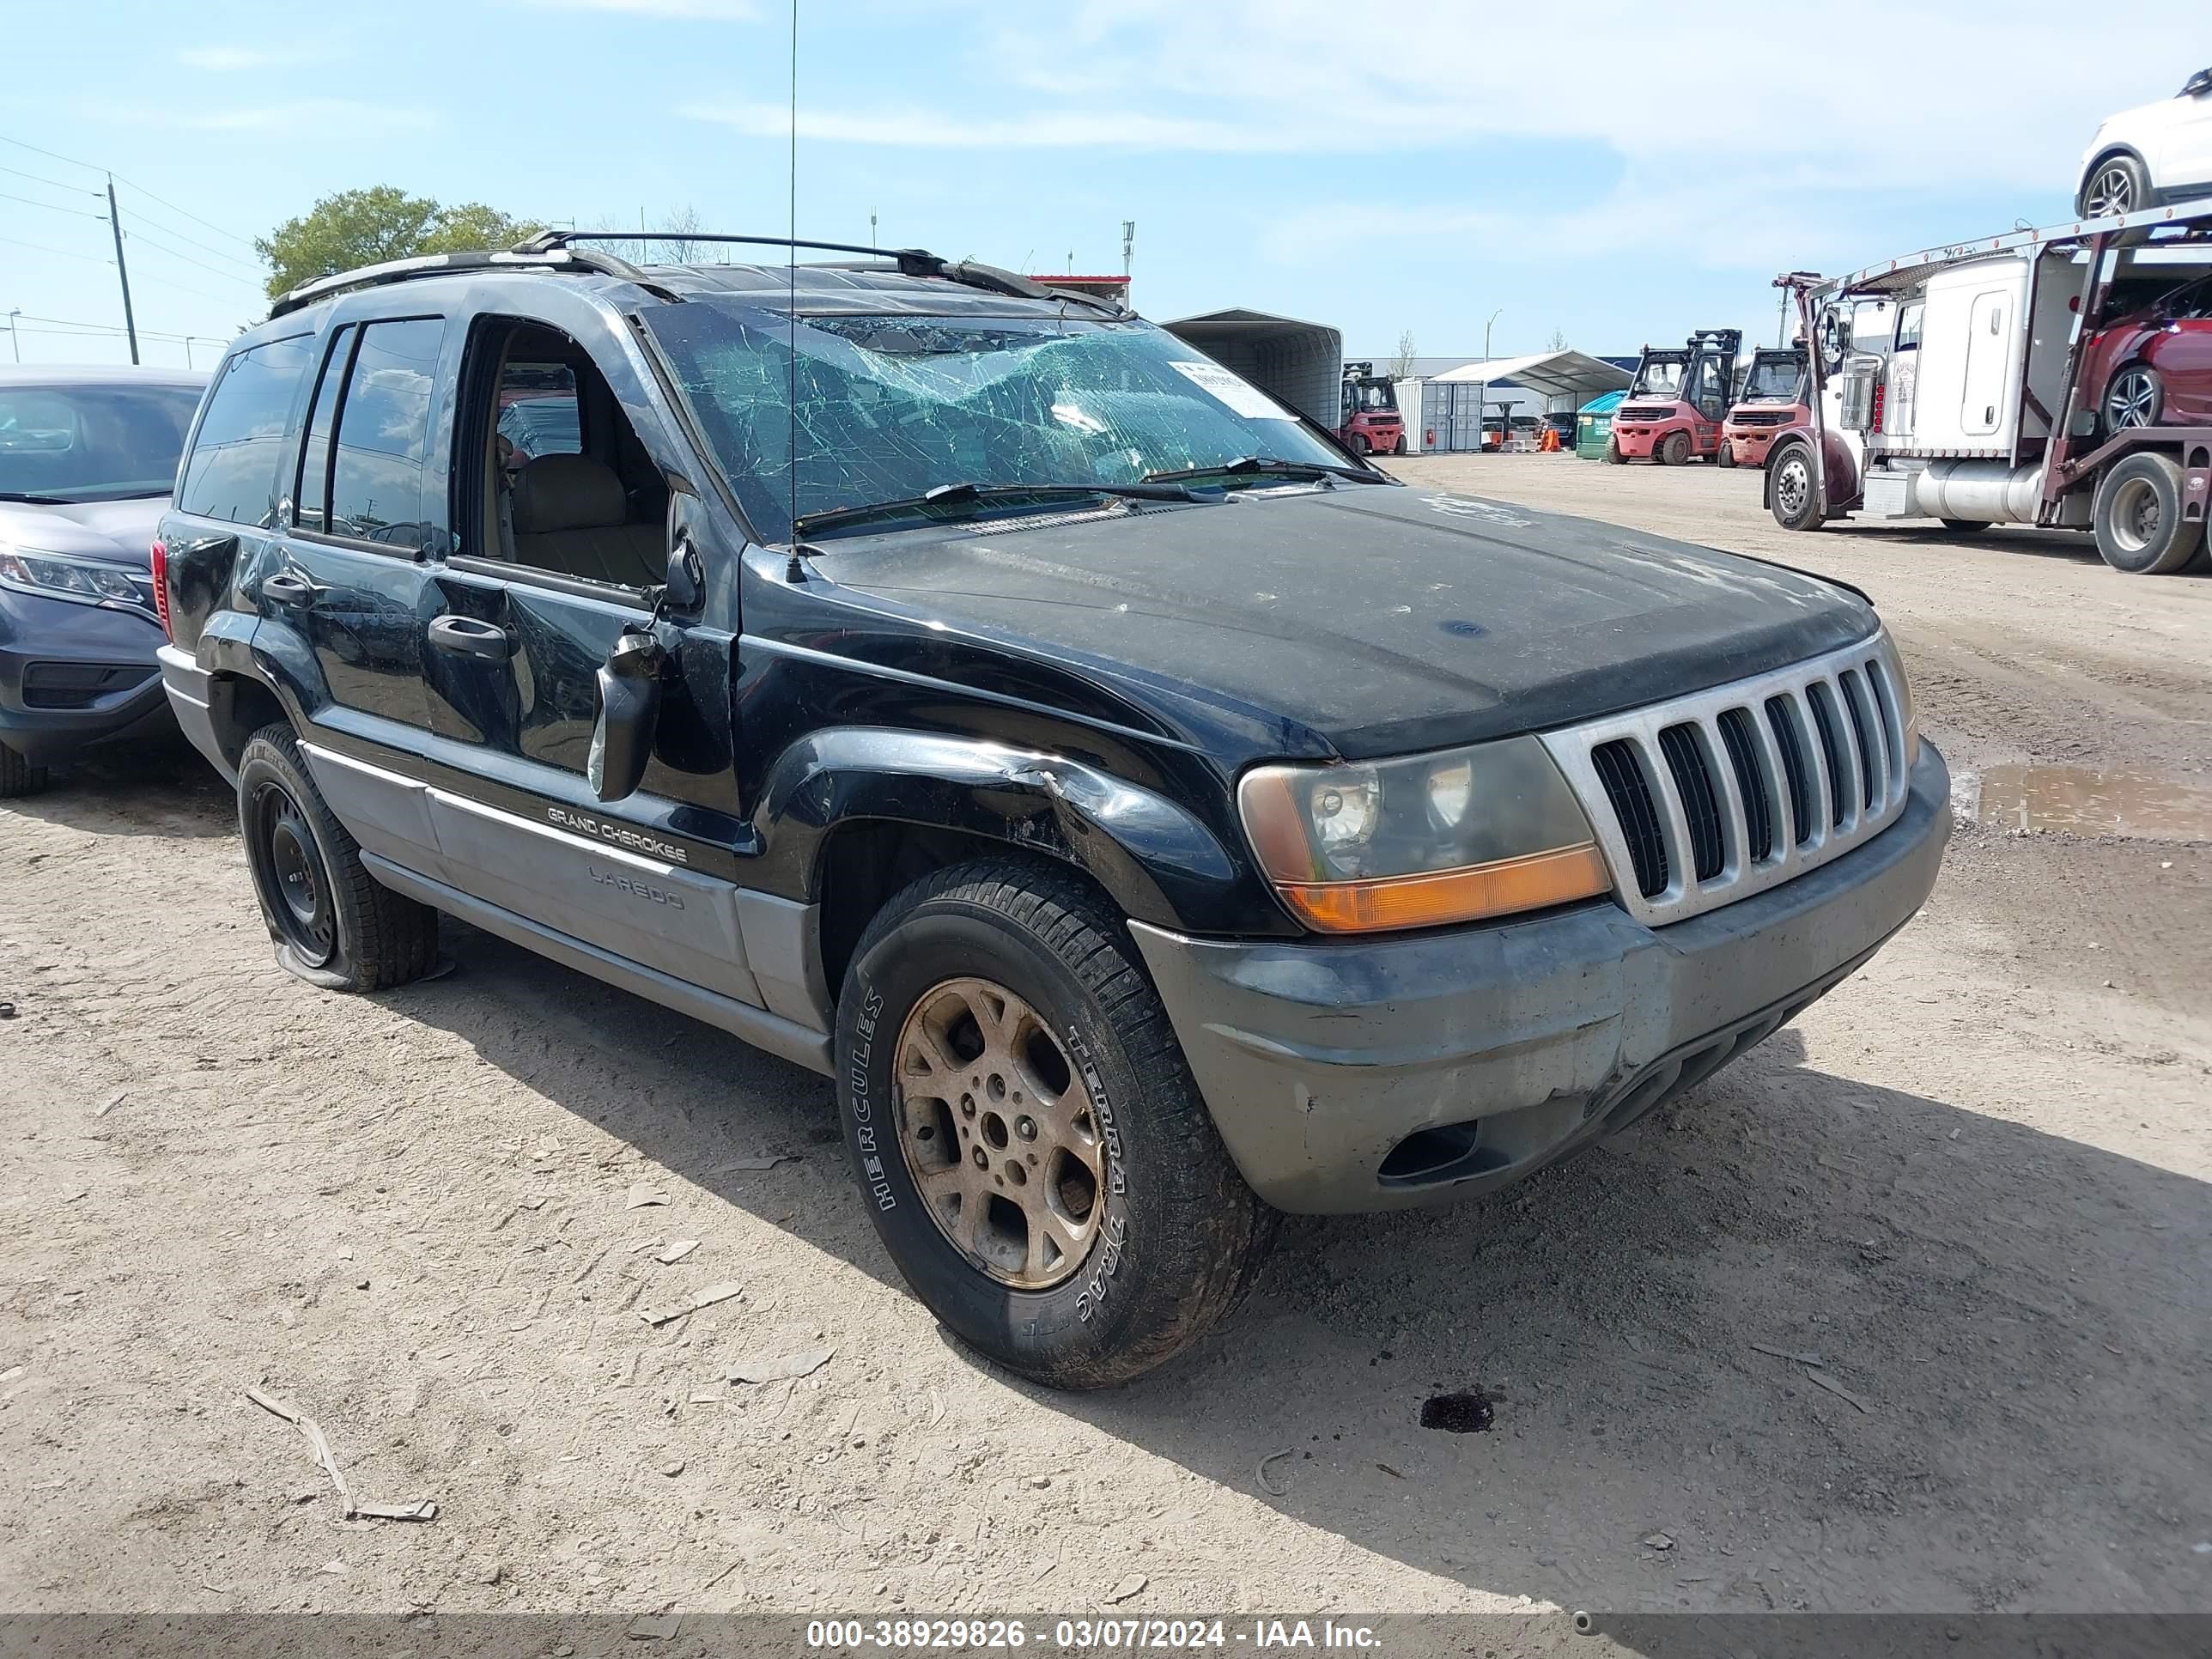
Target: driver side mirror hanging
[630,710]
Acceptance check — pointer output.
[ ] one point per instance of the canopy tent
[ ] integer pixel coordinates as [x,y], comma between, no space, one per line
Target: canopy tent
[1569,377]
[1298,364]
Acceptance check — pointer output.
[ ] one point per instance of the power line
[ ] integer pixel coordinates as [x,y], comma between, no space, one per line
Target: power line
[41,179]
[42,248]
[243,241]
[154,242]
[61,324]
[32,202]
[171,230]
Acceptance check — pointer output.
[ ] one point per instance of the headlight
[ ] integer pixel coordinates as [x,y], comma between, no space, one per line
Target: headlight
[88,581]
[1483,831]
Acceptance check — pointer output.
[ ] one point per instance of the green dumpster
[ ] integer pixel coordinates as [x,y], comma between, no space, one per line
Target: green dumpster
[1594,425]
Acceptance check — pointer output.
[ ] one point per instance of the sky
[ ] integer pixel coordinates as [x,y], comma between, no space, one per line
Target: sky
[1615,173]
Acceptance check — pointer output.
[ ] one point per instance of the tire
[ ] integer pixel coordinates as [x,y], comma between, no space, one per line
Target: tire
[1153,1237]
[1613,456]
[1399,448]
[1674,451]
[2134,396]
[2116,185]
[1357,445]
[2138,519]
[332,924]
[18,777]
[1966,527]
[1725,455]
[1792,490]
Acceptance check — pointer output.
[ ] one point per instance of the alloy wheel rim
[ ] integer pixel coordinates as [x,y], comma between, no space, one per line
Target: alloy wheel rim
[2112,194]
[288,866]
[2129,402]
[1000,1133]
[2136,516]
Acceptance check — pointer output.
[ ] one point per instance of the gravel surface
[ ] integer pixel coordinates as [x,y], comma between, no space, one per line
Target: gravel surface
[1909,1309]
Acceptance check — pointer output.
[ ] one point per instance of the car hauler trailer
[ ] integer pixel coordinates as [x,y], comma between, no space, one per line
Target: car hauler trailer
[1983,404]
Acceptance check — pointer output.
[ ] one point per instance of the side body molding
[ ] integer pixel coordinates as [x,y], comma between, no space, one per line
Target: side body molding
[1157,859]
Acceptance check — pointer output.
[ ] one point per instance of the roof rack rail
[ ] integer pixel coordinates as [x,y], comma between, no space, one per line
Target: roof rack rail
[910,261]
[577,260]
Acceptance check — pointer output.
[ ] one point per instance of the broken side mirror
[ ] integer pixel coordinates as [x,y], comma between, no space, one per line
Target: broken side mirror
[629,709]
[684,584]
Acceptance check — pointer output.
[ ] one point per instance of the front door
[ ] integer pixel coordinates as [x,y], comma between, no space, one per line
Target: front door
[563,541]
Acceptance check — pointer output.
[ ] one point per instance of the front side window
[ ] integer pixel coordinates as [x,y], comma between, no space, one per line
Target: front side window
[314,493]
[231,473]
[1908,327]
[383,433]
[92,443]
[1774,381]
[539,412]
[889,407]
[1660,377]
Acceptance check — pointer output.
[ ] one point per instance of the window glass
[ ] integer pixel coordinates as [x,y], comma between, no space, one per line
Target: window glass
[90,442]
[384,434]
[314,493]
[537,412]
[1908,328]
[232,473]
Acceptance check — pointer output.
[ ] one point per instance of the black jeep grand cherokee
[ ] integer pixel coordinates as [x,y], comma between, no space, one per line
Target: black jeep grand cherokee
[1151,819]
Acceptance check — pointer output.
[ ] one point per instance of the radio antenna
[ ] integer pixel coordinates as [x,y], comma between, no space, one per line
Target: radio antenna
[792,571]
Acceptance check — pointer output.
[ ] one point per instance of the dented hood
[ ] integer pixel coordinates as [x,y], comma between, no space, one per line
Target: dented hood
[1385,620]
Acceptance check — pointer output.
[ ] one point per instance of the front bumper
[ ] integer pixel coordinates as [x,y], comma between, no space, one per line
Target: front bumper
[1377,1074]
[1638,442]
[74,676]
[1751,445]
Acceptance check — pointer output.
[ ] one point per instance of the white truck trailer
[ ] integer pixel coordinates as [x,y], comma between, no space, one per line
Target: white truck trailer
[1974,397]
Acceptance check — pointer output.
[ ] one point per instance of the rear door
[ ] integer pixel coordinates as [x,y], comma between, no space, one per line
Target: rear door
[350,585]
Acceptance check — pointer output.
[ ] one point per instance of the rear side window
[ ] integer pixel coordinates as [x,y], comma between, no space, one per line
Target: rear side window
[314,493]
[231,472]
[383,433]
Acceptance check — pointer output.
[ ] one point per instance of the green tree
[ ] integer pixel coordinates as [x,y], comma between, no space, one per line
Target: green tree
[356,227]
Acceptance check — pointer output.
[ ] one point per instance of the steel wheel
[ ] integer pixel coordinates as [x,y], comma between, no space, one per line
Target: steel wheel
[2111,192]
[2132,399]
[1792,485]
[289,869]
[2136,518]
[999,1133]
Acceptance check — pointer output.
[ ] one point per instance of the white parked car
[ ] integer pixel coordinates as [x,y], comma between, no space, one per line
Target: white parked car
[2157,153]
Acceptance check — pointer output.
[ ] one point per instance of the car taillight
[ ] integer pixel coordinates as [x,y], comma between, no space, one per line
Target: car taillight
[161,551]
[1877,407]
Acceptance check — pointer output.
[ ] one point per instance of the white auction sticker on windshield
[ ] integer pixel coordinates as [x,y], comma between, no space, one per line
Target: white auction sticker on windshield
[1242,396]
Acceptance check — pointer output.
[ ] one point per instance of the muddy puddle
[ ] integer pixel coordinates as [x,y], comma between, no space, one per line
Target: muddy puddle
[2085,801]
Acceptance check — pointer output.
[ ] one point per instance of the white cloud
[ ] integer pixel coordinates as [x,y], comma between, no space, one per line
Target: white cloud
[721,11]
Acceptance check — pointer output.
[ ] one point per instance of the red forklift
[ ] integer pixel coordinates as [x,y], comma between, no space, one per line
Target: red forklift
[1371,424]
[1770,403]
[1676,404]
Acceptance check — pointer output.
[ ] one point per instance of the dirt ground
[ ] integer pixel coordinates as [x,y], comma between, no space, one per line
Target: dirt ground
[1972,1182]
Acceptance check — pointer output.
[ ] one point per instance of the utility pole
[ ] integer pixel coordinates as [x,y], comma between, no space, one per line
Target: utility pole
[15,343]
[115,224]
[1482,392]
[871,226]
[1129,244]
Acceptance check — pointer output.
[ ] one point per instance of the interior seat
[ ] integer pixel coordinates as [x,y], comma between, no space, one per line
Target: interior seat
[571,515]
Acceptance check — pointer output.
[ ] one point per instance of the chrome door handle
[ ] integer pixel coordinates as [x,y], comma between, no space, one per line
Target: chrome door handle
[465,636]
[286,589]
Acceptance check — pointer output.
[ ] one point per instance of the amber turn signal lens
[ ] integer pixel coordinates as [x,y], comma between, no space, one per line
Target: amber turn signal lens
[1557,877]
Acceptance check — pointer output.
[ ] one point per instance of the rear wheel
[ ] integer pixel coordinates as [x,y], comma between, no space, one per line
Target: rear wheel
[1966,527]
[2138,519]
[1399,448]
[2115,186]
[18,777]
[1725,455]
[1357,443]
[1040,1163]
[1792,490]
[1613,450]
[1675,451]
[332,923]
[2135,397]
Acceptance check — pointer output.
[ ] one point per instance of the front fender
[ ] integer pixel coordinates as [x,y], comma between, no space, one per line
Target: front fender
[1158,862]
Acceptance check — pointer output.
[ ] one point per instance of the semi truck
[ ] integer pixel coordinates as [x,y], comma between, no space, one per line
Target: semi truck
[2060,377]
[1678,402]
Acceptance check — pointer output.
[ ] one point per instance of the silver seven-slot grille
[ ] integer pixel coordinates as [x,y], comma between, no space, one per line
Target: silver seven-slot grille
[1710,798]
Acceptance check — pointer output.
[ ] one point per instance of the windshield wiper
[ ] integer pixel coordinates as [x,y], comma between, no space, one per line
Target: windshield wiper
[1262,467]
[28,499]
[956,501]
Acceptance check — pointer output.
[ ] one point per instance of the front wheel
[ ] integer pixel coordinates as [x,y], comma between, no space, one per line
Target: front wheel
[2116,186]
[1613,455]
[334,925]
[1725,455]
[1036,1157]
[1794,493]
[1675,451]
[2138,521]
[1399,448]
[2135,397]
[18,777]
[1357,445]
[1966,527]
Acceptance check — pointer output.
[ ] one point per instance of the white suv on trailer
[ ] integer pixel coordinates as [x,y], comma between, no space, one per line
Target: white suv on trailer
[2150,155]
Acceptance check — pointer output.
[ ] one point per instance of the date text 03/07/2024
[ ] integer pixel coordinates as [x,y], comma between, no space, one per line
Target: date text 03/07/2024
[1085,1634]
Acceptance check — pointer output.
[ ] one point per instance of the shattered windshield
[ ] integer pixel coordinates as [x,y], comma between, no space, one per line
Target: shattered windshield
[1773,381]
[889,407]
[1660,377]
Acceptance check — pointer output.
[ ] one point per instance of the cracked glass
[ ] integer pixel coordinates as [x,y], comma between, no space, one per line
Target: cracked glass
[890,406]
